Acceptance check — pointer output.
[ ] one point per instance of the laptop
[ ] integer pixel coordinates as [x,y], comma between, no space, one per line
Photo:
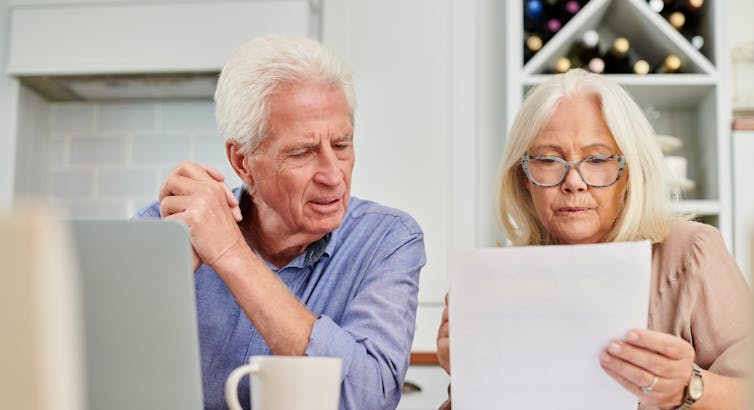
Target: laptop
[141,338]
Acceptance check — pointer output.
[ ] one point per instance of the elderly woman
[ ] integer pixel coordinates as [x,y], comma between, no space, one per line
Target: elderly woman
[581,166]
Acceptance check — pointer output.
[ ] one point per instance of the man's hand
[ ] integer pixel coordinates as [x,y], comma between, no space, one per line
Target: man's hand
[196,195]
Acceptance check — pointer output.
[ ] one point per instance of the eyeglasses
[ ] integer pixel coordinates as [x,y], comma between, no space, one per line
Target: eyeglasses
[597,171]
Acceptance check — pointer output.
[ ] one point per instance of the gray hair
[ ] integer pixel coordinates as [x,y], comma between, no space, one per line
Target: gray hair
[645,213]
[258,69]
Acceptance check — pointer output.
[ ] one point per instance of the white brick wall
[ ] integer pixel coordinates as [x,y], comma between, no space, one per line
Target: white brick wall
[107,160]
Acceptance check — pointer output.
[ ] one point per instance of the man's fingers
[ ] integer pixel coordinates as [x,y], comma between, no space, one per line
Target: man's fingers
[177,185]
[171,205]
[181,182]
[214,173]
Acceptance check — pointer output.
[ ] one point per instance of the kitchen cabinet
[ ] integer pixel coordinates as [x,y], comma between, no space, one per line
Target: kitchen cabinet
[70,51]
[425,389]
[693,106]
[154,37]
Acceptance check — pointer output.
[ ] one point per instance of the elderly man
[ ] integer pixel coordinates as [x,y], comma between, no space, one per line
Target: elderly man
[290,263]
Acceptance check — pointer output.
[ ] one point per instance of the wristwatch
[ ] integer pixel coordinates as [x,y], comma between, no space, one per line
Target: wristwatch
[694,390]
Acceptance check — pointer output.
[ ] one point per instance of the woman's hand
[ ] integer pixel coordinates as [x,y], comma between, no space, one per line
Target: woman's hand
[654,366]
[443,339]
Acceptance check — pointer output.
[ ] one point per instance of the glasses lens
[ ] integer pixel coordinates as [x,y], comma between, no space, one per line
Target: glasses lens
[546,170]
[600,170]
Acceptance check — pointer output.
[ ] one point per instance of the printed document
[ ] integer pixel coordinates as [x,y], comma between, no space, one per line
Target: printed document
[527,324]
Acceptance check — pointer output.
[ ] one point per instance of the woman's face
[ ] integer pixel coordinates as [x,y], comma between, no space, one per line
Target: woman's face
[573,212]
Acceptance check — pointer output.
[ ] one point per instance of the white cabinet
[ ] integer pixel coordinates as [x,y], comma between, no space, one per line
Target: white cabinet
[426,388]
[693,106]
[156,37]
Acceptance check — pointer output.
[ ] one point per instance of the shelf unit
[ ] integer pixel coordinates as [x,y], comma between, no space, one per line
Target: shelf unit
[693,106]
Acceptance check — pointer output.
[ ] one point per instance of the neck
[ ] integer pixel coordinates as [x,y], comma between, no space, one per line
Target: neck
[274,246]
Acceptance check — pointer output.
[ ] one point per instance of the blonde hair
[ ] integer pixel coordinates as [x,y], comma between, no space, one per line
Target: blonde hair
[261,67]
[645,214]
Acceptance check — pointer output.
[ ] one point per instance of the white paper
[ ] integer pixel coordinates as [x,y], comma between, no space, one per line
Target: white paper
[527,324]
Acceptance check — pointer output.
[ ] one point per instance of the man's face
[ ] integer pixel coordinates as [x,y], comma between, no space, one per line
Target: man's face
[301,174]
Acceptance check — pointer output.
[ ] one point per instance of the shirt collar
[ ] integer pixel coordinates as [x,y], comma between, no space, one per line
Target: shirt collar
[313,253]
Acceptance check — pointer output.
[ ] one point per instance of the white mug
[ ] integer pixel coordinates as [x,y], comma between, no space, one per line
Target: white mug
[288,383]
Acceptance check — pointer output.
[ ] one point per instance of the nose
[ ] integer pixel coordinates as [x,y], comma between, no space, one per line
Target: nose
[327,172]
[573,182]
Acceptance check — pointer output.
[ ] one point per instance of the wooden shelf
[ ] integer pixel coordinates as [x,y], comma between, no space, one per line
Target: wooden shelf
[424,359]
[693,106]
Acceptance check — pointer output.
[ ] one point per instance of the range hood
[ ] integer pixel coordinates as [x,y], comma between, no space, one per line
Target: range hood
[115,87]
[118,50]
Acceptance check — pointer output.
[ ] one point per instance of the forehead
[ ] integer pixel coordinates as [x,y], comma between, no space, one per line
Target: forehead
[309,110]
[576,121]
[299,101]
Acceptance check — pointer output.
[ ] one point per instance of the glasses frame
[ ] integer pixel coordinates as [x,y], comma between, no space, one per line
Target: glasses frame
[576,165]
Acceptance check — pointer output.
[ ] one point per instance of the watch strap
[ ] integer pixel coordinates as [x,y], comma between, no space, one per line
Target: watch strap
[688,401]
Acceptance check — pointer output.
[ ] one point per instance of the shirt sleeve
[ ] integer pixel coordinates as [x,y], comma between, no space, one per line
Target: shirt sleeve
[151,211]
[376,330]
[720,307]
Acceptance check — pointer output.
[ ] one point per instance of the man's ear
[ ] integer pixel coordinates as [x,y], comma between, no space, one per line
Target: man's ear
[238,160]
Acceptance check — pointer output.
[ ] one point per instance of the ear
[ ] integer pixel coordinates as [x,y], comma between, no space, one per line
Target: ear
[239,161]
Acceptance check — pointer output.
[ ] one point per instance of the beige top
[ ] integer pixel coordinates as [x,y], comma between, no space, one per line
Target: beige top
[699,293]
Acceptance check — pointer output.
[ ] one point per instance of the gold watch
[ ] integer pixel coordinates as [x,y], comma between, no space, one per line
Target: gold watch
[693,390]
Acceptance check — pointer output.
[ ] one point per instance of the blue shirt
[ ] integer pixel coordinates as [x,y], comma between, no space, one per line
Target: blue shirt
[361,281]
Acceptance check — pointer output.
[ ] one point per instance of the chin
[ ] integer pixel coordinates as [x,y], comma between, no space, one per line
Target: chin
[325,227]
[576,237]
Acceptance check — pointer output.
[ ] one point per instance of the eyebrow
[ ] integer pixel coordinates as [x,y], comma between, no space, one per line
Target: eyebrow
[560,149]
[344,137]
[303,146]
[311,145]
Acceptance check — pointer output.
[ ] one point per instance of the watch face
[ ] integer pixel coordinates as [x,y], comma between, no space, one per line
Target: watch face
[696,387]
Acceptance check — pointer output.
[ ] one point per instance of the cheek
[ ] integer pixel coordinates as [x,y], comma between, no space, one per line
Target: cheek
[542,199]
[347,167]
[611,203]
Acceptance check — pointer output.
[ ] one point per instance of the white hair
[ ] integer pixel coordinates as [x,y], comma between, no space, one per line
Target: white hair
[258,69]
[645,213]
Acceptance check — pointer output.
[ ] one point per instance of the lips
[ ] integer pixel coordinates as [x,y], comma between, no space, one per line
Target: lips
[326,205]
[572,210]
[326,201]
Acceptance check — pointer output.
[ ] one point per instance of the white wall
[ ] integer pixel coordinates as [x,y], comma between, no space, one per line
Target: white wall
[740,31]
[407,154]
[8,104]
[106,160]
[740,38]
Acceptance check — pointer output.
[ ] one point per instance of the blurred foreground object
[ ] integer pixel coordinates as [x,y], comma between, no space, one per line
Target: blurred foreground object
[41,357]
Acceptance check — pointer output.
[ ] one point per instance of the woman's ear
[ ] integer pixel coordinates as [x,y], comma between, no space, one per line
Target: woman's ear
[239,161]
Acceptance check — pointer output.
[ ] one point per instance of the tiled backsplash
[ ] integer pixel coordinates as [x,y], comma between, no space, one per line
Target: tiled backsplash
[106,160]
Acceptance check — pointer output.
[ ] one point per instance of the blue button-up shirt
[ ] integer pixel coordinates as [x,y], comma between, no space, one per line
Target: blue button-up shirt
[361,281]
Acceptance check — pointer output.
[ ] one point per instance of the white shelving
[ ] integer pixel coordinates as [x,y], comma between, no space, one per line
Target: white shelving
[693,106]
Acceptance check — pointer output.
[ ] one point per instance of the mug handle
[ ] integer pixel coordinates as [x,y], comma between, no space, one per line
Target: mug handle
[231,384]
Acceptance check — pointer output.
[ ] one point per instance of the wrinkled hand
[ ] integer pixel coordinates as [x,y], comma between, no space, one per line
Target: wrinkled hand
[645,354]
[443,339]
[197,196]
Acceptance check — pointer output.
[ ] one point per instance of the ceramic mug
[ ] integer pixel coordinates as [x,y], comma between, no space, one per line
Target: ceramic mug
[288,383]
